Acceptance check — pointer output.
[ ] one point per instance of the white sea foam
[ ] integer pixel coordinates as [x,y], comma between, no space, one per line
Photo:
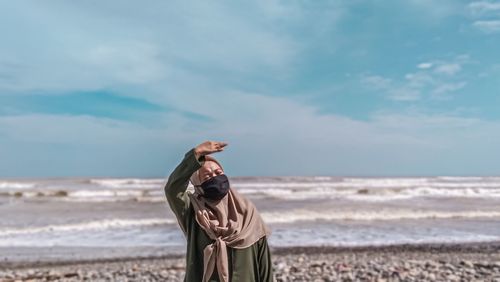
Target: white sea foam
[386,182]
[128,182]
[359,194]
[291,188]
[373,194]
[466,185]
[86,226]
[460,178]
[292,216]
[342,236]
[105,193]
[269,217]
[366,183]
[16,185]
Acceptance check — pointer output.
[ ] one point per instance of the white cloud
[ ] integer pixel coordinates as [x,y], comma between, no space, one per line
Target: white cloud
[432,79]
[448,68]
[394,90]
[128,62]
[82,129]
[486,15]
[448,87]
[419,79]
[404,94]
[482,7]
[266,133]
[488,26]
[426,65]
[84,46]
[185,56]
[376,81]
[436,10]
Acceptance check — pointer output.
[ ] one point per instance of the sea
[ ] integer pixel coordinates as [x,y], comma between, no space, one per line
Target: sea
[44,217]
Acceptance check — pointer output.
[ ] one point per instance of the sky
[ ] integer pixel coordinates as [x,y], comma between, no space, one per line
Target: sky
[326,88]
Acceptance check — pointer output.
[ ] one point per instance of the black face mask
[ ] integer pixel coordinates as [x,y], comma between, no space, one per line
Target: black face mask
[216,187]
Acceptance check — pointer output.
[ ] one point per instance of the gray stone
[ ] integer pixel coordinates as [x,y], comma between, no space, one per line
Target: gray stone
[467,263]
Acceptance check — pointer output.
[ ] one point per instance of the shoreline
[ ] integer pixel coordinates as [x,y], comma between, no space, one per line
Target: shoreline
[483,249]
[492,247]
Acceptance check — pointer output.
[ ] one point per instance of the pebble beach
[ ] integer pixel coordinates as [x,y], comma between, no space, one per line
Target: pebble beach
[453,262]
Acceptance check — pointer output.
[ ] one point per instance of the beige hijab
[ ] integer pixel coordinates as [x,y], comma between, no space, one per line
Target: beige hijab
[232,222]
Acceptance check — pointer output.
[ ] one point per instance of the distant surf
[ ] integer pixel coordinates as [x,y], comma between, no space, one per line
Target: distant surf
[317,210]
[286,188]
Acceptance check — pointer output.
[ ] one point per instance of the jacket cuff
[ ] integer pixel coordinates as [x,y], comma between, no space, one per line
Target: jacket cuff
[190,154]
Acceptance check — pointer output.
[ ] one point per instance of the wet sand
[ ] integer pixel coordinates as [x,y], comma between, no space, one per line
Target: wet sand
[425,262]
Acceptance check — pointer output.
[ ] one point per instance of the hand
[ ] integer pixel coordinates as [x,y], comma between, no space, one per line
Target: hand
[209,147]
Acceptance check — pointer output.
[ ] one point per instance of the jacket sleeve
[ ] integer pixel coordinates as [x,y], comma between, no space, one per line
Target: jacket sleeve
[177,183]
[266,271]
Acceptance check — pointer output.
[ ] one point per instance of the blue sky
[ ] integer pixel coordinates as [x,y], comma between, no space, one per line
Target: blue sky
[358,88]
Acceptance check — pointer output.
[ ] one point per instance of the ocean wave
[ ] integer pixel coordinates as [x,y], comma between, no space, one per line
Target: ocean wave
[269,217]
[16,185]
[358,194]
[454,192]
[294,188]
[128,182]
[85,195]
[85,226]
[307,215]
[461,178]
[373,194]
[466,185]
[396,184]
[106,193]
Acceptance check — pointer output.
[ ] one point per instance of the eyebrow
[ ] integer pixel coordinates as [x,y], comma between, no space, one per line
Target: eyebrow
[205,173]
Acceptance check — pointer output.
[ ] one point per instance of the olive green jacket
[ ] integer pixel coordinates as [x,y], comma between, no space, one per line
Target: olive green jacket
[248,264]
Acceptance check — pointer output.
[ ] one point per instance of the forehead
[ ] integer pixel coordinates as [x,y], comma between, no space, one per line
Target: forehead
[209,166]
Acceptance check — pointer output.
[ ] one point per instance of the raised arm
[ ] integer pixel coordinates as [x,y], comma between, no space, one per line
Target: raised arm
[178,181]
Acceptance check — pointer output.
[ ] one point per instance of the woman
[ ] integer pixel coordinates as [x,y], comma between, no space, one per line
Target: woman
[226,236]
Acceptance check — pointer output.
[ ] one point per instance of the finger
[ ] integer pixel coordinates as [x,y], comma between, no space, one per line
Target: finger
[218,144]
